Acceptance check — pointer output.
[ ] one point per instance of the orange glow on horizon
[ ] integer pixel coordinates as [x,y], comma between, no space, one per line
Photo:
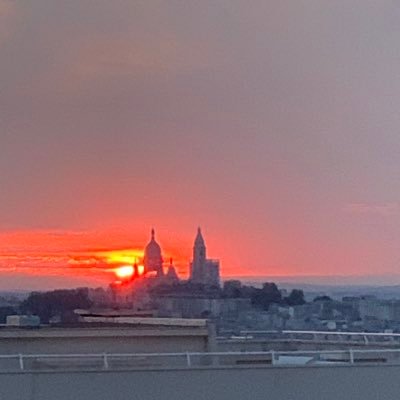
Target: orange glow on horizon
[121,257]
[68,258]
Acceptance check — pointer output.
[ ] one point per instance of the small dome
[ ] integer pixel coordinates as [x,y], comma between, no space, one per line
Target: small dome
[171,275]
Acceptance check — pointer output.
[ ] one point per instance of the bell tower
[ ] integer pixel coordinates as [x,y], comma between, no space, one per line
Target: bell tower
[199,259]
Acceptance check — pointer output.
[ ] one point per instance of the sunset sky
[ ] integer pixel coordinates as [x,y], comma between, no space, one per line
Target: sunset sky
[274,125]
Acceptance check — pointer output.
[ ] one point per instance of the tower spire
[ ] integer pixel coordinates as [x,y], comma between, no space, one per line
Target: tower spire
[199,241]
[152,234]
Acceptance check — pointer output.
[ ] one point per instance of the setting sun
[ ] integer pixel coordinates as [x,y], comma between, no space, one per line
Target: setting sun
[126,271]
[128,256]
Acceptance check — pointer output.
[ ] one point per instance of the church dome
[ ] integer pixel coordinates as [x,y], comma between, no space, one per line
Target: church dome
[153,248]
[152,256]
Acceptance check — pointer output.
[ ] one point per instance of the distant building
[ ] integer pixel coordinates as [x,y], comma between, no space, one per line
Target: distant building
[203,270]
[192,306]
[153,260]
[23,320]
[138,291]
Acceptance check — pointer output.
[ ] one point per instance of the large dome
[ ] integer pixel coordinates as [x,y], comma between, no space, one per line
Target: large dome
[152,256]
[152,248]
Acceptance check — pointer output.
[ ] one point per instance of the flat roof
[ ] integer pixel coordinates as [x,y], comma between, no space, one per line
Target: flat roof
[100,331]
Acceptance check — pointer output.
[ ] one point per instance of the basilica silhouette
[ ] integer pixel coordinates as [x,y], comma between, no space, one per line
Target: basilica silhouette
[202,270]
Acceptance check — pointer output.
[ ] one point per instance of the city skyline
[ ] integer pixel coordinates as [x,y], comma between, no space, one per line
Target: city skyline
[273,125]
[84,261]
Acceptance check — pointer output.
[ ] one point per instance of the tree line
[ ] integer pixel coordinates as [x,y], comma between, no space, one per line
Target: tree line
[262,297]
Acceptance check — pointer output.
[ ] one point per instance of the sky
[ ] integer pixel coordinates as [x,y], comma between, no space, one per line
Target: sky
[273,125]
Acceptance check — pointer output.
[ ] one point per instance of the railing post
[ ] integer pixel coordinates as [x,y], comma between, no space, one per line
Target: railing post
[21,362]
[188,360]
[105,361]
[351,353]
[272,357]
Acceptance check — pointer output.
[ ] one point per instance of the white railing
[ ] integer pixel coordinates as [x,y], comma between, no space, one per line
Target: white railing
[135,361]
[365,337]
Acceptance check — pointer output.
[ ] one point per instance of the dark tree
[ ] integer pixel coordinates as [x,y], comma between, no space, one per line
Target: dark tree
[295,298]
[232,289]
[5,311]
[322,298]
[55,303]
[266,296]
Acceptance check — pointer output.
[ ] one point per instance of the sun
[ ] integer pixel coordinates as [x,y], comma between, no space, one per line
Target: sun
[124,272]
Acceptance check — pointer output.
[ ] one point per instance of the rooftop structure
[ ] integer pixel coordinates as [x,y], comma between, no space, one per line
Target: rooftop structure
[121,334]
